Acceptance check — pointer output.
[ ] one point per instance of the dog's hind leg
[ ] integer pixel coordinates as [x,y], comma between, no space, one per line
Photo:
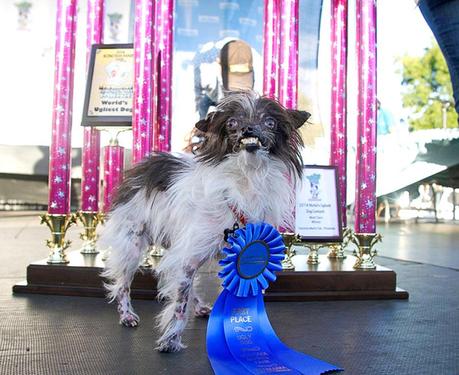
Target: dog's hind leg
[128,317]
[120,269]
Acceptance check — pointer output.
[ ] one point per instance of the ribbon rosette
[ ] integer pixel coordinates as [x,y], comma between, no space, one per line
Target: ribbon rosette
[240,338]
[256,252]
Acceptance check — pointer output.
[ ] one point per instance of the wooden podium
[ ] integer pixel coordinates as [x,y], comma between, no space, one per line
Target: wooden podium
[329,280]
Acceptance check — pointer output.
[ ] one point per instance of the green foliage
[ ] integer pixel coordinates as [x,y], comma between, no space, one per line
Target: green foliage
[426,88]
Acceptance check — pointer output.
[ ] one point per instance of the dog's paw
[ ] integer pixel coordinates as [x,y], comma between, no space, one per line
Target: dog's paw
[202,310]
[129,320]
[170,346]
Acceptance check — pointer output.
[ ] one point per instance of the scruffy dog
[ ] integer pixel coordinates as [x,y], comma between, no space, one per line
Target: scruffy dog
[244,171]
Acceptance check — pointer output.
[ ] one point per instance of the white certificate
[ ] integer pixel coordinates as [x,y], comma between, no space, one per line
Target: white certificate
[317,213]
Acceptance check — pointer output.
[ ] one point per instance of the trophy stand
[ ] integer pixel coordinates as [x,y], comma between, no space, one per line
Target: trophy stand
[90,220]
[365,254]
[313,256]
[58,224]
[289,240]
[337,249]
[153,252]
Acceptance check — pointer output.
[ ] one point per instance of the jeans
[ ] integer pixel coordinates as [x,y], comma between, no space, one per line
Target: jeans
[442,16]
[204,102]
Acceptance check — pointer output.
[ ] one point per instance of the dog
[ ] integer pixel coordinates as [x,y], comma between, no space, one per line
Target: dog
[244,171]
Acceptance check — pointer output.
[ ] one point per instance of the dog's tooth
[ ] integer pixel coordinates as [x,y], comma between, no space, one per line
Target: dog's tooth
[250,140]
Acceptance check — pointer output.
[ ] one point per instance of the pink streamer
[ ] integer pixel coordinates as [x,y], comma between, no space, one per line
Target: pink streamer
[144,103]
[94,25]
[91,138]
[288,60]
[271,47]
[113,172]
[90,170]
[287,84]
[338,154]
[60,149]
[164,13]
[365,198]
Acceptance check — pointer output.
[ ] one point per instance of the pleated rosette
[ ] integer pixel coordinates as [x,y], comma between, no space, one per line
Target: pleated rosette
[254,255]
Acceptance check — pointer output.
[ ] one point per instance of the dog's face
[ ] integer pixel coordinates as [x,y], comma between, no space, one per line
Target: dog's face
[245,122]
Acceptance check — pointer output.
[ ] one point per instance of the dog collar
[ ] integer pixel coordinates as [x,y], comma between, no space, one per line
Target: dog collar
[238,215]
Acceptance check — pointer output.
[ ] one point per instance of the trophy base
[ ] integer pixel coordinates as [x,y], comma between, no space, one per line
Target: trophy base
[57,256]
[336,252]
[330,280]
[287,264]
[333,279]
[365,264]
[313,259]
[80,277]
[89,247]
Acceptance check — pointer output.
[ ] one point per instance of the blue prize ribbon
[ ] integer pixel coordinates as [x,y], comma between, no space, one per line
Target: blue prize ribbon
[219,355]
[240,338]
[303,363]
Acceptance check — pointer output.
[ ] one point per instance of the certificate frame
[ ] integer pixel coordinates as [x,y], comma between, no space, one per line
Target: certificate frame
[317,210]
[115,110]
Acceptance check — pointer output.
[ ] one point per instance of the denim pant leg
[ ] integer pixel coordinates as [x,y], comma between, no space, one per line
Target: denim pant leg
[203,106]
[443,18]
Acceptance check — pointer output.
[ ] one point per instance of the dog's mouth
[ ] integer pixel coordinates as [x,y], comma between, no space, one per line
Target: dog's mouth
[250,144]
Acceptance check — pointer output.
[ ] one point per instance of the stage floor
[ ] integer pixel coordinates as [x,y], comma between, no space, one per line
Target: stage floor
[76,335]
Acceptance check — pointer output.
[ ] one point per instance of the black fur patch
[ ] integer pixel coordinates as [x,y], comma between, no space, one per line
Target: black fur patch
[154,173]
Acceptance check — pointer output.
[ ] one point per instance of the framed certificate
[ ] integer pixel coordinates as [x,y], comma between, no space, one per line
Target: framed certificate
[109,87]
[317,213]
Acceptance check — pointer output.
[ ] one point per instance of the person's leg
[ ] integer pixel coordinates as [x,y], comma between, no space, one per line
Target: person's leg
[442,16]
[203,106]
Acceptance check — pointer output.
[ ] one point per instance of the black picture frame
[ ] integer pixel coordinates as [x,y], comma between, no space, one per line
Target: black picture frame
[123,109]
[315,209]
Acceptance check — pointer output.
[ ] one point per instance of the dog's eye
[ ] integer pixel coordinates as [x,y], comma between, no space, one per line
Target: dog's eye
[232,123]
[270,122]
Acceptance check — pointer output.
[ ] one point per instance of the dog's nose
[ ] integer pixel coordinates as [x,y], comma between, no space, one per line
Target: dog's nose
[248,130]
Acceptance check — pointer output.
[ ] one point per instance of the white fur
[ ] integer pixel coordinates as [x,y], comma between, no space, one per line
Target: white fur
[193,214]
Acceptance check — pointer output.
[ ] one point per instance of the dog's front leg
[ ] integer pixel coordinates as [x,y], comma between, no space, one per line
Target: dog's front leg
[174,317]
[201,308]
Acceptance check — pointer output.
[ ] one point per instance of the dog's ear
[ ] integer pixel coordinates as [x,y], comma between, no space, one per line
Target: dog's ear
[203,125]
[298,117]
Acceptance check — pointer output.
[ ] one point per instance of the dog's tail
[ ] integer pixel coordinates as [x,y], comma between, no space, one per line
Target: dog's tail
[126,240]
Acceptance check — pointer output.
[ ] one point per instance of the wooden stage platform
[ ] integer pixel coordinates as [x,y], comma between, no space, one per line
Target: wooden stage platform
[329,280]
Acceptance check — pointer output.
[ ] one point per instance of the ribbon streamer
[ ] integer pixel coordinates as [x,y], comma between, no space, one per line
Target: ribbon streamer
[240,338]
